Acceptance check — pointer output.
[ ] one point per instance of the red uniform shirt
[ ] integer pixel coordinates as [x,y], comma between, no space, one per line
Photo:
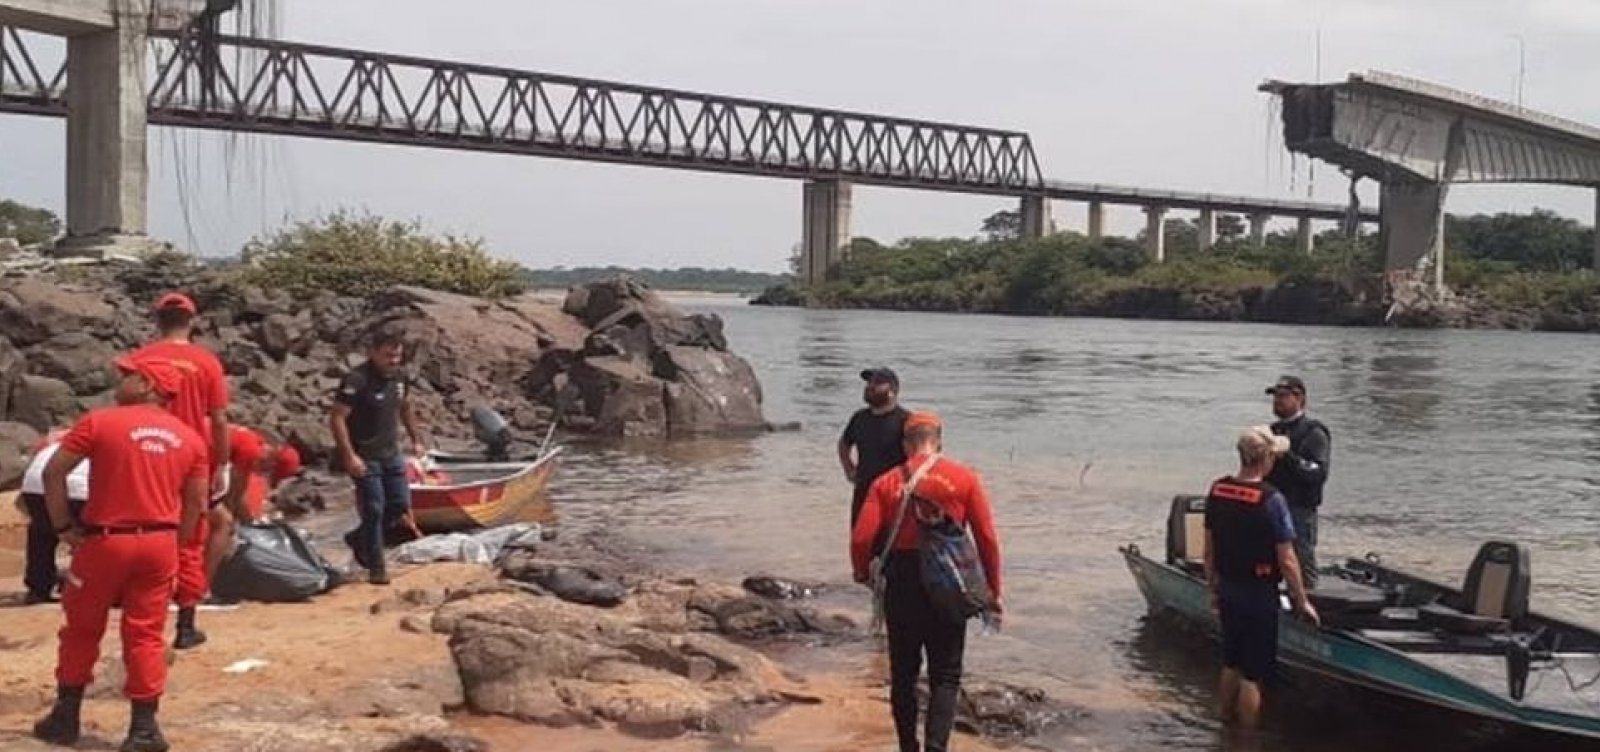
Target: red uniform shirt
[951,485]
[140,456]
[205,384]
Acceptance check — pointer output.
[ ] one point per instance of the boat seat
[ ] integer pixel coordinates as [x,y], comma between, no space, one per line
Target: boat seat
[1444,618]
[1186,533]
[1340,596]
[1498,582]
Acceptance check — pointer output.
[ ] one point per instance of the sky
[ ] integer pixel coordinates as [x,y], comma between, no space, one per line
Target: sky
[1151,93]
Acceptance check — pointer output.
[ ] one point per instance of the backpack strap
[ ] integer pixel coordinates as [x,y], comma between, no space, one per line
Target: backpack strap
[906,492]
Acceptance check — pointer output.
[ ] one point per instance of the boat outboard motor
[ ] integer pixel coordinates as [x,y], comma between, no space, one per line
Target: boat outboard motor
[493,432]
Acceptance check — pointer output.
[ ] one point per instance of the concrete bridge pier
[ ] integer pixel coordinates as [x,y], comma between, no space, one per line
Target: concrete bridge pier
[1208,229]
[107,174]
[1597,230]
[1413,230]
[825,227]
[1035,213]
[1304,241]
[1258,229]
[1155,232]
[1097,220]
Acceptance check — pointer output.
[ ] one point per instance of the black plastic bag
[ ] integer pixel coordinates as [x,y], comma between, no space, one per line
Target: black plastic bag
[272,563]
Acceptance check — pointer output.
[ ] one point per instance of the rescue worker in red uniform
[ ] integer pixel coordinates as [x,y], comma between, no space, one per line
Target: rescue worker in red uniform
[255,468]
[202,404]
[147,487]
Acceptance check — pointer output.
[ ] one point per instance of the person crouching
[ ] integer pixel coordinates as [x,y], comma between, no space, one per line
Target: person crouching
[147,489]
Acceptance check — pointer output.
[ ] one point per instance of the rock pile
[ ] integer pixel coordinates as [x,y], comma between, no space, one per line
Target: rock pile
[613,359]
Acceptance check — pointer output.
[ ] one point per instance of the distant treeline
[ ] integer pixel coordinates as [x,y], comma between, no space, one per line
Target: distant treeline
[690,278]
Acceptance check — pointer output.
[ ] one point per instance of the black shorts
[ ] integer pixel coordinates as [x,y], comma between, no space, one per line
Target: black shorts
[1249,615]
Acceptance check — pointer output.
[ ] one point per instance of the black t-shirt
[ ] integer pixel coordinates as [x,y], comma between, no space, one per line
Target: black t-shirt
[878,443]
[374,403]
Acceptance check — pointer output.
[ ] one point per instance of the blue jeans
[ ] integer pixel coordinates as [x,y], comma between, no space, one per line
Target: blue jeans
[382,499]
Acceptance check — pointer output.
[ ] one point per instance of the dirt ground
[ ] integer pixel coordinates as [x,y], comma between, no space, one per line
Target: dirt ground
[337,676]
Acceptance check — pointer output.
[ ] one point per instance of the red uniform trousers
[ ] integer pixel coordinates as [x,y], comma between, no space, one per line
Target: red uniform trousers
[137,571]
[192,585]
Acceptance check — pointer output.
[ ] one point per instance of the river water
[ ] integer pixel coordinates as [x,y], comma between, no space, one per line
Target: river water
[1084,429]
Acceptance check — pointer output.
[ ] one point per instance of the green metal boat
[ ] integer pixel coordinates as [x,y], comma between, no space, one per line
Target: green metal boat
[1470,651]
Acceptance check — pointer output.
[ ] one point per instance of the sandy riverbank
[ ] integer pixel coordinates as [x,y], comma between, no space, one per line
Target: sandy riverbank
[338,676]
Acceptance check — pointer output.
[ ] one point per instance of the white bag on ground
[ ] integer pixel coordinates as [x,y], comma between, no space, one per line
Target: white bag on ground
[482,547]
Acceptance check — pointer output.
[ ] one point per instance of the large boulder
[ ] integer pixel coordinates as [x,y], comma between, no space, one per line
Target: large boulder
[12,365]
[709,391]
[36,308]
[16,447]
[42,402]
[81,360]
[621,396]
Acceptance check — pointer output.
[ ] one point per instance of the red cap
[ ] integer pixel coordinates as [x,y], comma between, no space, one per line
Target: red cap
[160,374]
[922,419]
[179,301]
[286,464]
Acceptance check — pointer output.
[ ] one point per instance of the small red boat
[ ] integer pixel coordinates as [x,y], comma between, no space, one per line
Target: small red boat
[459,496]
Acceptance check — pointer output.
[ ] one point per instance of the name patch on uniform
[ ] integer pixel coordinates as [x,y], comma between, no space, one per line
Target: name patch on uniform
[155,440]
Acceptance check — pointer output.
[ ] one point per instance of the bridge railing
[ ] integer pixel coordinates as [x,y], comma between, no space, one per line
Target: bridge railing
[266,86]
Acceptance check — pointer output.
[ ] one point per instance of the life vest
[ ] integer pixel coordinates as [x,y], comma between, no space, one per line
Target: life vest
[1236,513]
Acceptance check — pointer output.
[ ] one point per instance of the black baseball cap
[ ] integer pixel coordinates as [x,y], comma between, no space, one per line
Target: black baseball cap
[881,373]
[1290,383]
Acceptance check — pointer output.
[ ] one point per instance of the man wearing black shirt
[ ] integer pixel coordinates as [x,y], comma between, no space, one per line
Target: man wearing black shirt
[875,435]
[372,403]
[1300,473]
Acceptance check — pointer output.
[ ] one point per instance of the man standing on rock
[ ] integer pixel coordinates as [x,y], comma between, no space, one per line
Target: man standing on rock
[254,469]
[372,403]
[915,625]
[202,404]
[874,433]
[1302,471]
[147,489]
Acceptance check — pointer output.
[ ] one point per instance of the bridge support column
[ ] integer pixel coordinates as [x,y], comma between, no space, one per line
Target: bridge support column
[1597,230]
[825,230]
[1155,232]
[1036,222]
[1208,229]
[1258,229]
[107,175]
[1304,241]
[1097,220]
[1413,232]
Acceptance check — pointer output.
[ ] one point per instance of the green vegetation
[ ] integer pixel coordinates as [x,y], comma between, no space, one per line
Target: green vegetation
[1537,262]
[26,224]
[364,254]
[692,278]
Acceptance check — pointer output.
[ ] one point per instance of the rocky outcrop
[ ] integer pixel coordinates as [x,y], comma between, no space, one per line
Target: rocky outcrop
[16,441]
[613,358]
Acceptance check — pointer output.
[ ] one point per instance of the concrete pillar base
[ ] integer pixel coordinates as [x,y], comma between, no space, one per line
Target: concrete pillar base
[1097,220]
[825,230]
[1036,222]
[109,246]
[1155,232]
[1413,231]
[1304,241]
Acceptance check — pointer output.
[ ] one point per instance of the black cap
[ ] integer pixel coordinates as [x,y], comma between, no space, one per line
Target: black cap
[881,373]
[1291,383]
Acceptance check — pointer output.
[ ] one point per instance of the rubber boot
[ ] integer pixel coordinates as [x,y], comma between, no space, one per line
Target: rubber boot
[188,636]
[143,733]
[61,726]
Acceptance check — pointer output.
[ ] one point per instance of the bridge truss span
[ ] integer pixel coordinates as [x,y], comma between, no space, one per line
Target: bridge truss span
[268,86]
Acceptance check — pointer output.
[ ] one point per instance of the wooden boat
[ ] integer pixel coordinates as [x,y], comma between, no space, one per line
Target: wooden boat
[466,495]
[1467,652]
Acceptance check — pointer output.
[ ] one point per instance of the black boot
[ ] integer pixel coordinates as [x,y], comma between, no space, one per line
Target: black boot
[143,733]
[61,726]
[188,636]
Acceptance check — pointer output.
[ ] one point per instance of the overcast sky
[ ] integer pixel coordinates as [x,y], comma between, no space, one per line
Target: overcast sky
[1156,93]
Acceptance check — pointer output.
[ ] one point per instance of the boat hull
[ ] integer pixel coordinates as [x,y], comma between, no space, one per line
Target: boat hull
[517,496]
[1352,660]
